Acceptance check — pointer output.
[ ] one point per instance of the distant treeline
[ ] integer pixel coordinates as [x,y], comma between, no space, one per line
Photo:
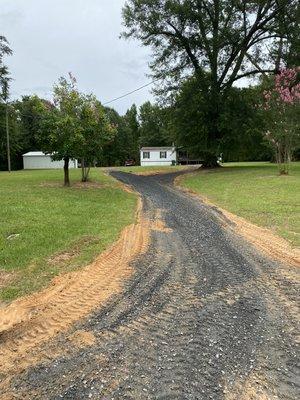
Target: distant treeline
[200,52]
[183,123]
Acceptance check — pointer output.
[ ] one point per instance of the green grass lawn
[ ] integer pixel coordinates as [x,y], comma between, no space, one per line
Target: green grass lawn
[40,219]
[256,192]
[152,169]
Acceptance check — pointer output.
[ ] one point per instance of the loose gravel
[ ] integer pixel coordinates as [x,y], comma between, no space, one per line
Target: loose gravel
[204,316]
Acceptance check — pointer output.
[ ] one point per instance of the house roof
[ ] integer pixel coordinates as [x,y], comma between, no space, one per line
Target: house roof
[35,154]
[158,148]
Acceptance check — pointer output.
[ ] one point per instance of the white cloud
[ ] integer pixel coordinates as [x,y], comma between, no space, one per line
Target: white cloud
[52,37]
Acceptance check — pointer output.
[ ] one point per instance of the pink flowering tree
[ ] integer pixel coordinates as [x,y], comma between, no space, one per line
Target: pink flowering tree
[281,108]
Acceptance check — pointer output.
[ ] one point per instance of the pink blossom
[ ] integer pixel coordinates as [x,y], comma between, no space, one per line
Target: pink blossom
[285,91]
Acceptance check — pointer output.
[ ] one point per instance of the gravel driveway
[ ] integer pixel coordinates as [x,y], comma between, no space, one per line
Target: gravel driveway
[205,316]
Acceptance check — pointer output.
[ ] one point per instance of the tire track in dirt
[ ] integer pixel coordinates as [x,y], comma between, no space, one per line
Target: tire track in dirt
[164,338]
[30,321]
[204,316]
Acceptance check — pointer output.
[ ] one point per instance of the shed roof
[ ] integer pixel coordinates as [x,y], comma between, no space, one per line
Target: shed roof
[35,154]
[158,148]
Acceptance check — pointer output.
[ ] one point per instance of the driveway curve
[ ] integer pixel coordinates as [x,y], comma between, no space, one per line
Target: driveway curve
[204,316]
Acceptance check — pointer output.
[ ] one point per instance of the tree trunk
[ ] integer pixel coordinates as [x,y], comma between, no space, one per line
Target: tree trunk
[210,160]
[281,159]
[287,156]
[214,135]
[82,170]
[279,55]
[85,170]
[66,171]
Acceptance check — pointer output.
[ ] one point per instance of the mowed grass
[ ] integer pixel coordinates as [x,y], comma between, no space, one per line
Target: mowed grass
[47,229]
[256,192]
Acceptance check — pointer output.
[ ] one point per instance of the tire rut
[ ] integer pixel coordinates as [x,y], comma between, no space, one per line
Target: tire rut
[204,316]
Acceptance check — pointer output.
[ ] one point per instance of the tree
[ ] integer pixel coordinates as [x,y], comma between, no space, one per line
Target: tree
[5,97]
[75,126]
[15,140]
[96,132]
[60,133]
[28,110]
[281,109]
[286,46]
[132,133]
[24,117]
[4,94]
[114,150]
[240,121]
[217,41]
[125,143]
[4,74]
[151,125]
[189,118]
[243,127]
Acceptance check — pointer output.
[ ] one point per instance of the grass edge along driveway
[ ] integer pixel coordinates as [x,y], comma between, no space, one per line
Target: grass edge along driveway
[47,229]
[152,170]
[255,192]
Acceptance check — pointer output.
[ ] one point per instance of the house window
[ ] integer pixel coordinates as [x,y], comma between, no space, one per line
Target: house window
[146,154]
[163,154]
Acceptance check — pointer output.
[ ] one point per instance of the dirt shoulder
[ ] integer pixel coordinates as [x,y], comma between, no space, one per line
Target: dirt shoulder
[203,315]
[262,238]
[30,321]
[52,237]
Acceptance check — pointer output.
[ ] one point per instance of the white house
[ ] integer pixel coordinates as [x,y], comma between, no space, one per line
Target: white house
[158,156]
[40,160]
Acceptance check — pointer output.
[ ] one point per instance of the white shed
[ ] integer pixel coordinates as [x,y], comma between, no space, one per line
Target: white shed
[158,156]
[40,160]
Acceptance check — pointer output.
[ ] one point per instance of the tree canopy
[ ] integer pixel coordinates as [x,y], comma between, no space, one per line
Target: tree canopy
[4,73]
[75,126]
[200,49]
[217,41]
[152,125]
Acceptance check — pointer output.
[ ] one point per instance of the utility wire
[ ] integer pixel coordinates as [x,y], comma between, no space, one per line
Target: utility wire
[104,104]
[127,94]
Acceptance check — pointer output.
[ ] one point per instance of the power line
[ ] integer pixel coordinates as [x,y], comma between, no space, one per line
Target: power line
[104,104]
[127,94]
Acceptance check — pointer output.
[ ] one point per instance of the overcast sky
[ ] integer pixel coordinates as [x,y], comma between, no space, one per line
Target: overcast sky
[49,38]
